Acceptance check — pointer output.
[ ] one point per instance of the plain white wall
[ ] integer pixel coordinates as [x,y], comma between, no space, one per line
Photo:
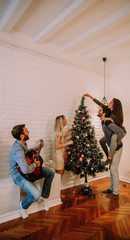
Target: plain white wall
[119,87]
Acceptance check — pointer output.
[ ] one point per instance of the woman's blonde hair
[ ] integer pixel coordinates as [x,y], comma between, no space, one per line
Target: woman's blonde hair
[59,123]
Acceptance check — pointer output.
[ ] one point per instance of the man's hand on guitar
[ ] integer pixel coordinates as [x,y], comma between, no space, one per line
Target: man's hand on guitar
[37,162]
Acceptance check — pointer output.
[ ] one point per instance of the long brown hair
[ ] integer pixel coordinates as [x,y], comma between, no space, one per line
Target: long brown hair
[117,110]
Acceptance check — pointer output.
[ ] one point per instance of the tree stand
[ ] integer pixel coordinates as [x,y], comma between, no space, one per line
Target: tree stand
[86,190]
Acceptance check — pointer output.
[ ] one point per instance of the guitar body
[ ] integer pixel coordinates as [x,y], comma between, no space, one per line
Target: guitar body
[37,173]
[31,156]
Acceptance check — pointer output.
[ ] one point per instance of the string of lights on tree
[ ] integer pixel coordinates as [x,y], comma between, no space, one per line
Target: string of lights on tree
[84,156]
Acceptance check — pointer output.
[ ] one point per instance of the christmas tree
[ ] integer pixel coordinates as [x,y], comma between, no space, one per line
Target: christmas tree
[84,156]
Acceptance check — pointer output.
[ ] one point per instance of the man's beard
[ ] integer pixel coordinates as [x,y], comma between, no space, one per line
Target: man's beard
[26,137]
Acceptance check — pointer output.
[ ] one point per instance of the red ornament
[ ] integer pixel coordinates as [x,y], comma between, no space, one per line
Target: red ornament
[80,158]
[83,117]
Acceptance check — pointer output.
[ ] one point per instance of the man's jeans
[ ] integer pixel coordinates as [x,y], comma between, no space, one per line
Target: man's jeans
[33,193]
[114,175]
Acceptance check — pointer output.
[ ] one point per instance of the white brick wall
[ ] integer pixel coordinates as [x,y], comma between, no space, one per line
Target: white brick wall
[34,90]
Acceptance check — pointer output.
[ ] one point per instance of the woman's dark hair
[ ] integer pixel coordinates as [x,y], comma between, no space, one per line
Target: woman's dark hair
[118,111]
[106,110]
[17,131]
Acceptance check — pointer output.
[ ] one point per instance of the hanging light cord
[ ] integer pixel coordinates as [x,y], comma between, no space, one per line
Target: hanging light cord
[104,100]
[104,79]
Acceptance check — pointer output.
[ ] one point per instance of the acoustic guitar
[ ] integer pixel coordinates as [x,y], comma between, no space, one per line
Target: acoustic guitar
[32,156]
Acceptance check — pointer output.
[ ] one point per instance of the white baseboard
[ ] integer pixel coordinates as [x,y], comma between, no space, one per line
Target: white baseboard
[75,180]
[124,179]
[9,216]
[38,206]
[98,177]
[35,207]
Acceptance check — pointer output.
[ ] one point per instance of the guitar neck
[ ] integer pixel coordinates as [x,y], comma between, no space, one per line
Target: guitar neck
[39,149]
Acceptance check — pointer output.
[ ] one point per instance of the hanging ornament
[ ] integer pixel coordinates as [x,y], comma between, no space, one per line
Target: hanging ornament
[80,158]
[77,137]
[83,117]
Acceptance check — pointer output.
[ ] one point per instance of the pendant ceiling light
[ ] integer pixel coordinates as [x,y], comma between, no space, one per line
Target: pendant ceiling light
[104,100]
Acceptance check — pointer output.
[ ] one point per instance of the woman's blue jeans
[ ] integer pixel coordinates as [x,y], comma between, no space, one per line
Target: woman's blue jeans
[33,193]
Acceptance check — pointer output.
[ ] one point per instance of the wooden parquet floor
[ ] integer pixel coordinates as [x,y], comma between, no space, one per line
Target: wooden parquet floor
[77,218]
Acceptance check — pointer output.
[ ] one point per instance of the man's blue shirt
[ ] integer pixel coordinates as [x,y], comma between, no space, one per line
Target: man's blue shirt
[17,157]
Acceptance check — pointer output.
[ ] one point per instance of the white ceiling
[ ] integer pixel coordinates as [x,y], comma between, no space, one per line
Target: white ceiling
[82,31]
